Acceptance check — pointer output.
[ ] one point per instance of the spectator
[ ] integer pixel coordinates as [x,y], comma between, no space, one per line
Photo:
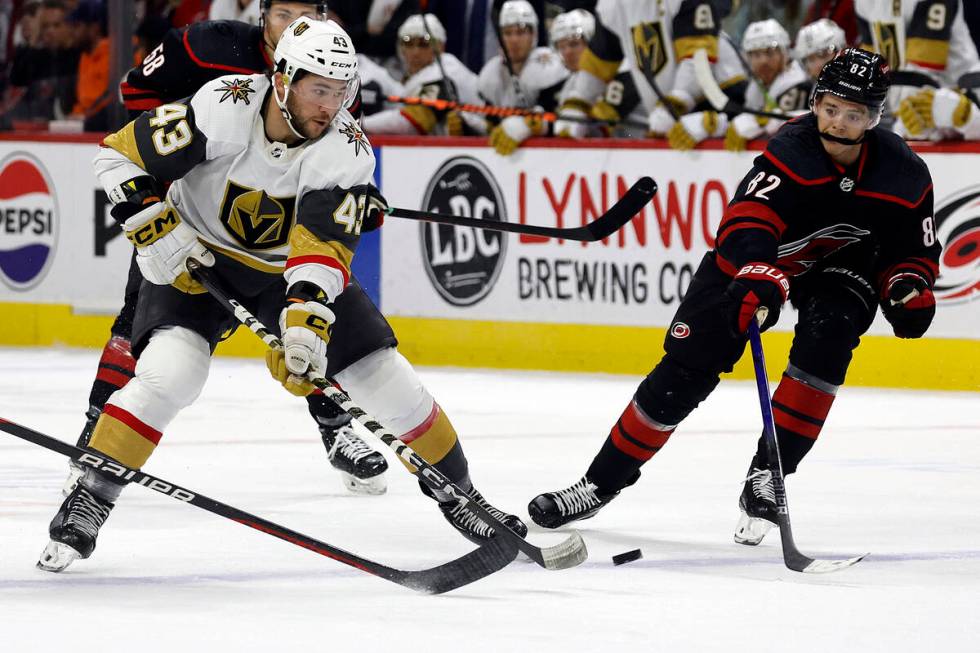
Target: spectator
[92,89]
[839,11]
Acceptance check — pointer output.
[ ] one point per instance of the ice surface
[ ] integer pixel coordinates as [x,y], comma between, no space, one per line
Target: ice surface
[895,473]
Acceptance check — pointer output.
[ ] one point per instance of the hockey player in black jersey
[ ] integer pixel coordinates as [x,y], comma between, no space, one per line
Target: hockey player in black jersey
[185,60]
[835,215]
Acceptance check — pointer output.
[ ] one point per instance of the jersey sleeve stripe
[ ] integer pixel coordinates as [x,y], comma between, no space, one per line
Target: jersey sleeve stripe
[792,175]
[592,63]
[748,215]
[215,66]
[892,198]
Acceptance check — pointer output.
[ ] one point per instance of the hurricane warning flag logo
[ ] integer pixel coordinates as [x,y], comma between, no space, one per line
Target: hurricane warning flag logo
[958,229]
[28,221]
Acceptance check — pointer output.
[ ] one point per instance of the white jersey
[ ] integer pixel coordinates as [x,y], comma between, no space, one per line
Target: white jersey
[657,40]
[232,10]
[260,203]
[788,93]
[376,85]
[928,36]
[543,73]
[426,83]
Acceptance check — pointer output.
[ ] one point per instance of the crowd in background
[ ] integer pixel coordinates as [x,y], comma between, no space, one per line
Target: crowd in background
[55,54]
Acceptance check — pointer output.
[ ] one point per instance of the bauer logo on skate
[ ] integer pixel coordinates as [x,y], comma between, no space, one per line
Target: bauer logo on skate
[29,227]
[462,262]
[958,229]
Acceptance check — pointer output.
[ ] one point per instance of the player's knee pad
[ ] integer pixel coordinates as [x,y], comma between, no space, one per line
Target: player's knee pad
[827,332]
[671,391]
[385,384]
[170,375]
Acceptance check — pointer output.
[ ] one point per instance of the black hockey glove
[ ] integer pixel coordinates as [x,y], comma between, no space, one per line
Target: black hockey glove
[909,305]
[375,207]
[758,287]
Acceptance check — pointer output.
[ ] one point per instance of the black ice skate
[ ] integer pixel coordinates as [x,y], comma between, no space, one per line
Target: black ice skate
[74,529]
[361,467]
[75,470]
[580,501]
[758,506]
[467,523]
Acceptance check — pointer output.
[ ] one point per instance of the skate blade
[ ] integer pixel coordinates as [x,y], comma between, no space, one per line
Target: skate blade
[57,556]
[751,530]
[75,473]
[373,486]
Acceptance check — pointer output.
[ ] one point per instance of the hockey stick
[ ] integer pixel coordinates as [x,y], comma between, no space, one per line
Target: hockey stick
[605,225]
[568,553]
[716,97]
[791,555]
[488,558]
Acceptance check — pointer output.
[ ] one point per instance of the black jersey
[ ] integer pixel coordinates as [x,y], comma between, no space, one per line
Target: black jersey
[191,56]
[797,207]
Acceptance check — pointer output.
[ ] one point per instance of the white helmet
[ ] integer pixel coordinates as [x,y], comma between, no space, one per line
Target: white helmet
[317,47]
[518,12]
[577,23]
[819,36]
[765,34]
[415,28]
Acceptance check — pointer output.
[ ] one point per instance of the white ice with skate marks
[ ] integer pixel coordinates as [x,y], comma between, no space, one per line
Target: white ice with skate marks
[895,473]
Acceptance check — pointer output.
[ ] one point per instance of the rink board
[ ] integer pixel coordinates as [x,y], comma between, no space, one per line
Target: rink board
[459,296]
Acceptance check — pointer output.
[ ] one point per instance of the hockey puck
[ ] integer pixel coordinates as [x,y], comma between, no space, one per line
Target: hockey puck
[629,556]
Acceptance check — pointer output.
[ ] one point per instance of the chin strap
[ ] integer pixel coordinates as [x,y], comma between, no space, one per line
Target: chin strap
[284,111]
[842,140]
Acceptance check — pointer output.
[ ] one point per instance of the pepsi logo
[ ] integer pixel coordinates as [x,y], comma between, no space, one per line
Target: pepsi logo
[28,221]
[958,229]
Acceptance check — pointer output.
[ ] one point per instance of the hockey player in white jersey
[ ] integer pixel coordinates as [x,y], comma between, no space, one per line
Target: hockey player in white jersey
[779,84]
[419,45]
[569,35]
[376,85]
[928,37]
[271,184]
[658,40]
[817,43]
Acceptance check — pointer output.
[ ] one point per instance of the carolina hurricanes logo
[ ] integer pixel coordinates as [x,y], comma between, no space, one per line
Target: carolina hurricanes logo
[799,256]
[680,330]
[958,229]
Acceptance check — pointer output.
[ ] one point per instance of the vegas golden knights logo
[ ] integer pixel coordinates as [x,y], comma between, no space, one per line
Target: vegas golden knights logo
[299,29]
[649,48]
[886,42]
[256,220]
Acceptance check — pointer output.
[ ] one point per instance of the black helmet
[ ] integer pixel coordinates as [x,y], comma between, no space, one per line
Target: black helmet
[857,76]
[320,5]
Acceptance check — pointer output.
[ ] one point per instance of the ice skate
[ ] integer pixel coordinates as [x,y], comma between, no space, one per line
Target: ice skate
[74,529]
[361,467]
[580,501]
[758,506]
[468,523]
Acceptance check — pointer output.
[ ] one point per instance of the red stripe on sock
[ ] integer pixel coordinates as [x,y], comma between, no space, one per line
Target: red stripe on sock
[628,447]
[134,423]
[112,377]
[422,428]
[638,426]
[803,398]
[790,423]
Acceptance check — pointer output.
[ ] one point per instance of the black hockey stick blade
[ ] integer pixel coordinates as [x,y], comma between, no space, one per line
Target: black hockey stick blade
[569,553]
[604,226]
[792,556]
[476,564]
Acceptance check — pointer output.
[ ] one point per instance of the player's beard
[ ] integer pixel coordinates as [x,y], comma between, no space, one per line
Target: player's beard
[311,126]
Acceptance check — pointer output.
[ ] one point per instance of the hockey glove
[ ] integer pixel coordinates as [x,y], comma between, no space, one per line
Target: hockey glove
[909,305]
[506,137]
[571,128]
[163,245]
[375,209]
[757,288]
[605,112]
[454,124]
[661,119]
[693,128]
[915,112]
[305,332]
[951,108]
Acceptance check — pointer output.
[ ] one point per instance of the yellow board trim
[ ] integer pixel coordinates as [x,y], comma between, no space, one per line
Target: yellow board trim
[880,361]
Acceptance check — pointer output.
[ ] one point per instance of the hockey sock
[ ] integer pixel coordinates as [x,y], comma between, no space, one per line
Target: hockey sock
[124,437]
[116,368]
[799,409]
[435,440]
[633,440]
